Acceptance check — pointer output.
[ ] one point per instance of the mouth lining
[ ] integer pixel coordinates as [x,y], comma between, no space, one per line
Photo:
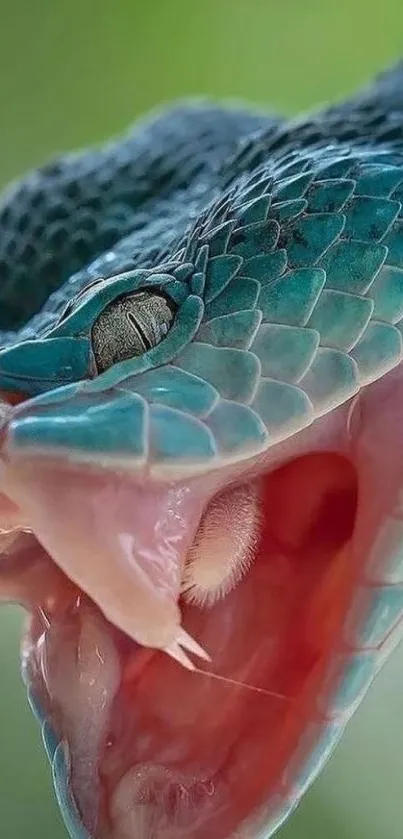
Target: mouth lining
[269,638]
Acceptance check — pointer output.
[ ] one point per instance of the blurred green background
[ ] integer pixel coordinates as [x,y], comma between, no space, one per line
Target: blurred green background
[75,71]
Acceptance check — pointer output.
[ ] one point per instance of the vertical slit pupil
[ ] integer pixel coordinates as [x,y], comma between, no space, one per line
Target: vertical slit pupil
[129,326]
[134,323]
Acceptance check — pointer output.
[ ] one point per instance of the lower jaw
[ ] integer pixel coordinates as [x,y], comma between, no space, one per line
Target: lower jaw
[157,751]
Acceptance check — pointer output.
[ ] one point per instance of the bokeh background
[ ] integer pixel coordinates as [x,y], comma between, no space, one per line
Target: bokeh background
[73,72]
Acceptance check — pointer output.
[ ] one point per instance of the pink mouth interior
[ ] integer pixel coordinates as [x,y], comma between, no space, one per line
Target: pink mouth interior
[157,750]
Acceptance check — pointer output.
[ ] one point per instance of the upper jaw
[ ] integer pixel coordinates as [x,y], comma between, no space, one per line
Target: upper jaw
[120,534]
[122,542]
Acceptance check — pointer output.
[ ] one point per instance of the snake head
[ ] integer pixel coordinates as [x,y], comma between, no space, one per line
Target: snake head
[200,466]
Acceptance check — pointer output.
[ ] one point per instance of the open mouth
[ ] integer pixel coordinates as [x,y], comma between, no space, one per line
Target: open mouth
[193,676]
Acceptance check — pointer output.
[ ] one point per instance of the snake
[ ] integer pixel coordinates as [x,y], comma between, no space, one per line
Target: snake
[201,459]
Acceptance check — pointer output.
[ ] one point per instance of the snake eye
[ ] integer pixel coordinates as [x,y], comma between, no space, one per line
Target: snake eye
[129,326]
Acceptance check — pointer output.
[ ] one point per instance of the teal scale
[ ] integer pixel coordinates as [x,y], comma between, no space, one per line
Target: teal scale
[278,248]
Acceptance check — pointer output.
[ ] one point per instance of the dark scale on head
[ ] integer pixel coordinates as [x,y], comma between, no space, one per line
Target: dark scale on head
[65,215]
[71,211]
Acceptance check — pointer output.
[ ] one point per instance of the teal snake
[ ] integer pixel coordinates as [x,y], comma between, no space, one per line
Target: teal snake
[201,456]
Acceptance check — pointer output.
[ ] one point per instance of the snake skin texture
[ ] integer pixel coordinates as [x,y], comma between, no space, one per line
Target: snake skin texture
[277,248]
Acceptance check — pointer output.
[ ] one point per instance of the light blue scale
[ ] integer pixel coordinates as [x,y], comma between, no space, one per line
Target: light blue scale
[313,765]
[385,610]
[288,296]
[68,809]
[359,669]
